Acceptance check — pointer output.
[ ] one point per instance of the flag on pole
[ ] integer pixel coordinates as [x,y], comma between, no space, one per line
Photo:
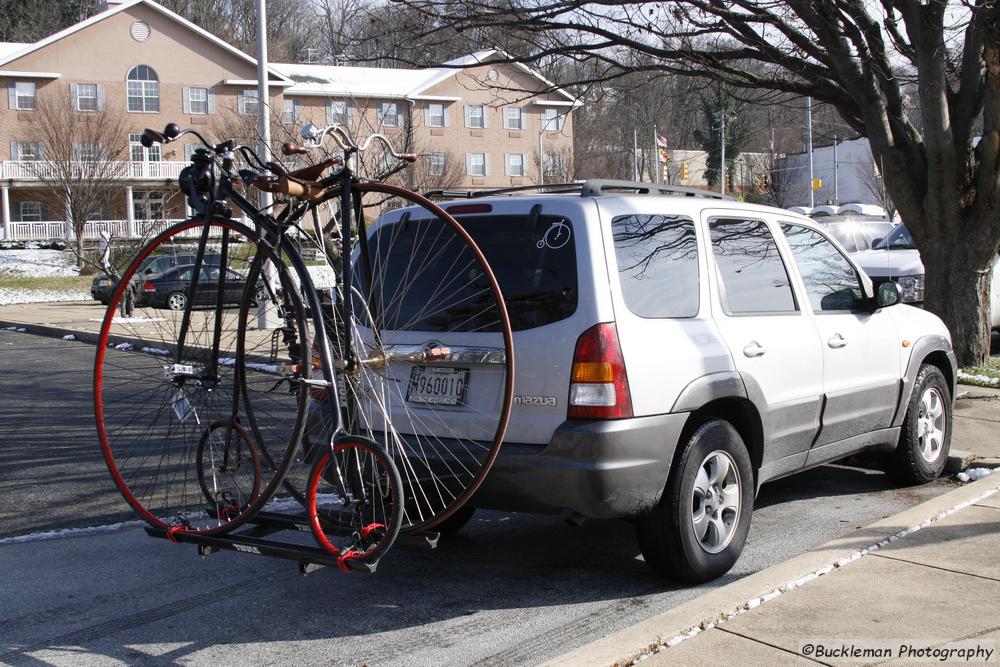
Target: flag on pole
[661,147]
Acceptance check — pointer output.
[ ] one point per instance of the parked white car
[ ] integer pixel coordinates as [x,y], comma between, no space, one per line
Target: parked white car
[895,258]
[676,349]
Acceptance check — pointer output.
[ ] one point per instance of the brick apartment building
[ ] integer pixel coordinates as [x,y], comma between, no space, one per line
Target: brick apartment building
[137,65]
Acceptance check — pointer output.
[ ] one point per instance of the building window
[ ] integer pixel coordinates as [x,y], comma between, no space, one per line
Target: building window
[139,153]
[434,115]
[513,118]
[291,111]
[198,101]
[147,205]
[21,95]
[515,164]
[31,211]
[247,102]
[338,111]
[388,114]
[435,164]
[143,90]
[87,151]
[87,96]
[475,117]
[477,164]
[26,151]
[552,120]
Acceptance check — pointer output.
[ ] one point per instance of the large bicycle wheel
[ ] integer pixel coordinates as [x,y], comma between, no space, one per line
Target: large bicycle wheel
[427,351]
[355,501]
[162,407]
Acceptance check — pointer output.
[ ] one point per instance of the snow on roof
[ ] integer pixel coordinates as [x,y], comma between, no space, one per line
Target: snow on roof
[8,49]
[340,81]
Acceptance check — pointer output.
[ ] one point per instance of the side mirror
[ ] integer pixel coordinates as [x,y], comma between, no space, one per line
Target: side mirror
[888,294]
[875,242]
[171,131]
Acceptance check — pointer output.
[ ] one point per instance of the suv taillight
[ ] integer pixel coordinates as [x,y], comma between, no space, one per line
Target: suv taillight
[598,383]
[148,286]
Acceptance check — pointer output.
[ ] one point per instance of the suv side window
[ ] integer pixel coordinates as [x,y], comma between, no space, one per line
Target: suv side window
[831,281]
[657,264]
[751,272]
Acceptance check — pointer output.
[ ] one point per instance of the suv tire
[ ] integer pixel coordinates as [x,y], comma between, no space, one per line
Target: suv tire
[925,439]
[712,485]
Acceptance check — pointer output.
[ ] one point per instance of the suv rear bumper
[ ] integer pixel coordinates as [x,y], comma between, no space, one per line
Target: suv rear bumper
[599,469]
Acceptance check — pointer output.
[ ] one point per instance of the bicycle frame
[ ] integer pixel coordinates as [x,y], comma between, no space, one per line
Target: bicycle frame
[273,233]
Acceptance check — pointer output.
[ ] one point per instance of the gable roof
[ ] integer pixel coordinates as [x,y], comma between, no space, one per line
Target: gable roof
[8,55]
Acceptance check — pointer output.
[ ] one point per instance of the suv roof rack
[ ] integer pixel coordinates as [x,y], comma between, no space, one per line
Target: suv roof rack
[595,187]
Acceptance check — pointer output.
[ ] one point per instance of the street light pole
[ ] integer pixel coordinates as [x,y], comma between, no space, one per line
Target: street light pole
[265,318]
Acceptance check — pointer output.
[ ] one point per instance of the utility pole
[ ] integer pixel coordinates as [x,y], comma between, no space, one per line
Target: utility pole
[809,149]
[836,174]
[635,155]
[722,161]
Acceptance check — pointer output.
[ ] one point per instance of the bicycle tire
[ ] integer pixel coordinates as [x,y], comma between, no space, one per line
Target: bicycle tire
[222,468]
[354,501]
[443,451]
[152,409]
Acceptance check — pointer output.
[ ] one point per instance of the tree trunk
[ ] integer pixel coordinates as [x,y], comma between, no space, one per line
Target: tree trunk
[957,290]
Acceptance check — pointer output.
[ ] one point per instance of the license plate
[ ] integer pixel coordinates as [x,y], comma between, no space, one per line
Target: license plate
[103,283]
[438,386]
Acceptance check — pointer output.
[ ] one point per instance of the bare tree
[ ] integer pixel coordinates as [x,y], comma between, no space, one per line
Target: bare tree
[83,160]
[861,59]
[872,181]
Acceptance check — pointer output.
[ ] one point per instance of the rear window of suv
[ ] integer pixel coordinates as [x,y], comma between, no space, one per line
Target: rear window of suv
[532,256]
[657,264]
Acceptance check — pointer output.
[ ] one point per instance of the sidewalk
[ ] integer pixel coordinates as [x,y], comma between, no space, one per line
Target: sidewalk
[904,590]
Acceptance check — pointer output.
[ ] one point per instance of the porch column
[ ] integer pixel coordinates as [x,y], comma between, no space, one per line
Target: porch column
[130,213]
[5,212]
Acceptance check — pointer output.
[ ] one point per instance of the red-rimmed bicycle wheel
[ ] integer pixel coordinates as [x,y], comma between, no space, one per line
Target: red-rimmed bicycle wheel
[154,406]
[354,501]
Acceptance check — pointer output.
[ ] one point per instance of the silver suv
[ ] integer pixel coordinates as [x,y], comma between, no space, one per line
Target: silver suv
[676,349]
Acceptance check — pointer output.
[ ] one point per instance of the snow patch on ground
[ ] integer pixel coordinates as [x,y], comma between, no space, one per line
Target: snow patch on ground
[69,532]
[323,276]
[975,474]
[982,379]
[17,329]
[124,347]
[10,296]
[157,351]
[69,337]
[37,263]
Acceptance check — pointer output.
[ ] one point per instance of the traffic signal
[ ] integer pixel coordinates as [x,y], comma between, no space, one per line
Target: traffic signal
[684,171]
[729,182]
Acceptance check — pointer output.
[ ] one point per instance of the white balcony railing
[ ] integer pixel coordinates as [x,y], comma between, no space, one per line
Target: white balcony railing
[127,171]
[45,230]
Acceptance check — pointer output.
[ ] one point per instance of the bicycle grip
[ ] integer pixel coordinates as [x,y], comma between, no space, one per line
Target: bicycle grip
[150,137]
[292,148]
[407,157]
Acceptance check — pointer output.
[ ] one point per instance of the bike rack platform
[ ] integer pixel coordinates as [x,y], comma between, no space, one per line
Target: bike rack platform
[255,537]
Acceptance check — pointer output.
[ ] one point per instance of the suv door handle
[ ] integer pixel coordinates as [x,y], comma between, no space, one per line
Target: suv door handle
[837,341]
[754,349]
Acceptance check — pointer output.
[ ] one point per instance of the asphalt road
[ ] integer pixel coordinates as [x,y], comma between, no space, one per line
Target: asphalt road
[511,589]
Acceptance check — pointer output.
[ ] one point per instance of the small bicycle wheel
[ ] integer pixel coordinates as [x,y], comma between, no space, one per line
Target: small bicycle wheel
[354,501]
[426,364]
[156,400]
[228,468]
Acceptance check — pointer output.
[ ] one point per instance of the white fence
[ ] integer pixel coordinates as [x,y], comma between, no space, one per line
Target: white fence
[39,170]
[41,231]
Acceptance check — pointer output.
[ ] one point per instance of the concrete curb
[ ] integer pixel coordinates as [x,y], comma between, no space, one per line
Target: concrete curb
[51,331]
[740,596]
